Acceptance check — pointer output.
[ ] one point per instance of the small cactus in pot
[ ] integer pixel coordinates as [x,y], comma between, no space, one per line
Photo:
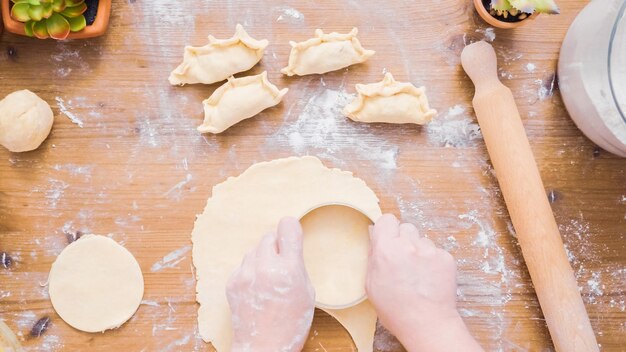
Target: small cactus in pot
[522,8]
[50,18]
[512,13]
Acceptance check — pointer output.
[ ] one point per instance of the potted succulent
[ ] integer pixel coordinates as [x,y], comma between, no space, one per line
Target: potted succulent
[513,13]
[57,19]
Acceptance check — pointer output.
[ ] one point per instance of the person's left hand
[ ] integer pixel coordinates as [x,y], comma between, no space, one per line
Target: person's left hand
[270,295]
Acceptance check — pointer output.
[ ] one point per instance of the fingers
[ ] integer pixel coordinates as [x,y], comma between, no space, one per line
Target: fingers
[386,227]
[410,232]
[290,237]
[427,248]
[268,247]
[246,271]
[243,274]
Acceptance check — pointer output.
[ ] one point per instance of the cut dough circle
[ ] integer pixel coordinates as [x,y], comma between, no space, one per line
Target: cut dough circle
[95,284]
[336,246]
[390,101]
[244,208]
[325,53]
[25,121]
[237,100]
[219,59]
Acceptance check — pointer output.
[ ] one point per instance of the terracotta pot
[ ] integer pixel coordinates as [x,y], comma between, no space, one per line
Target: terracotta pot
[97,28]
[484,13]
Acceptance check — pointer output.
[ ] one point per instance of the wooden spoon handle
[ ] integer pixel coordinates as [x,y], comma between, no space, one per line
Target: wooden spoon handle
[528,206]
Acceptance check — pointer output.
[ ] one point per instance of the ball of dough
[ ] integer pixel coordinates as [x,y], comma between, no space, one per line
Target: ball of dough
[25,121]
[95,284]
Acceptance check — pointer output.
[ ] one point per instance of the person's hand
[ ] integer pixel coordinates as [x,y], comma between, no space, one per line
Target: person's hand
[270,295]
[408,278]
[412,285]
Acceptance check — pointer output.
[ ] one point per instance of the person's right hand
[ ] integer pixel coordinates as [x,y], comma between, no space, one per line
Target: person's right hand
[412,285]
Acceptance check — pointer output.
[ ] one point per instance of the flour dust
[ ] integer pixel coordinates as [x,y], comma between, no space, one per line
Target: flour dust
[322,130]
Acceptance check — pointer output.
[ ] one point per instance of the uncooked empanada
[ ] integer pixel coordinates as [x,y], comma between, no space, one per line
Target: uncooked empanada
[237,100]
[325,53]
[390,101]
[219,59]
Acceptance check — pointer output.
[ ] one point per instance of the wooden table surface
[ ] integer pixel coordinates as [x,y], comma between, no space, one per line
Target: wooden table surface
[137,169]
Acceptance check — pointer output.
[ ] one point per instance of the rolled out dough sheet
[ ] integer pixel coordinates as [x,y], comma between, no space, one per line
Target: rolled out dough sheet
[244,208]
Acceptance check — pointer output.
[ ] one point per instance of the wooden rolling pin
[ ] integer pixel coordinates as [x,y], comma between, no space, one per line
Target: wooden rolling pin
[528,206]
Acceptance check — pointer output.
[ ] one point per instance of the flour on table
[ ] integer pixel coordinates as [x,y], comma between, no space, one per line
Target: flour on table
[488,33]
[51,343]
[583,252]
[175,345]
[65,111]
[493,255]
[52,192]
[322,130]
[288,14]
[148,132]
[546,89]
[65,59]
[171,260]
[456,129]
[176,191]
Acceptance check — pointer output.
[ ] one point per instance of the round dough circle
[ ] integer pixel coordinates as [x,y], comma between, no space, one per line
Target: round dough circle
[25,121]
[336,245]
[95,284]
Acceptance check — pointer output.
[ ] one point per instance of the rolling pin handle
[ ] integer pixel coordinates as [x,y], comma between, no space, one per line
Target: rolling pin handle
[481,65]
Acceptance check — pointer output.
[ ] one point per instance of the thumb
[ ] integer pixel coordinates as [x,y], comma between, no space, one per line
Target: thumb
[290,237]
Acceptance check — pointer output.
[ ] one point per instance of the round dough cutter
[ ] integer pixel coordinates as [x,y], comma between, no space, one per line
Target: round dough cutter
[336,246]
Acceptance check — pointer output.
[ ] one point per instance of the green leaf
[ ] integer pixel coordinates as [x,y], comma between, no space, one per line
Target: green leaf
[71,3]
[21,1]
[28,28]
[19,12]
[523,5]
[500,5]
[546,6]
[58,27]
[47,10]
[35,12]
[77,23]
[58,5]
[34,2]
[39,29]
[74,11]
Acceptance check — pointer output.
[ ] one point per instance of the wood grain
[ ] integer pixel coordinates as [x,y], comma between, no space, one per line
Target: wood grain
[125,173]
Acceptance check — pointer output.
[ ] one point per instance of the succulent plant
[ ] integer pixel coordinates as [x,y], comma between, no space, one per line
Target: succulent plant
[50,18]
[522,8]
